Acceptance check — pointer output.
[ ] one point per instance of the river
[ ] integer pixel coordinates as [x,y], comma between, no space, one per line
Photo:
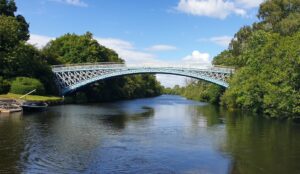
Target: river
[166,134]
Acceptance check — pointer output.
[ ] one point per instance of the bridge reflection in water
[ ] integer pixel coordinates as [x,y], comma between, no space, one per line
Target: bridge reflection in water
[73,76]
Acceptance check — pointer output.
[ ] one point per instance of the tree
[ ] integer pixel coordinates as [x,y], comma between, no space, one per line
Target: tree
[269,82]
[72,48]
[267,61]
[8,8]
[24,28]
[13,31]
[281,15]
[9,39]
[9,33]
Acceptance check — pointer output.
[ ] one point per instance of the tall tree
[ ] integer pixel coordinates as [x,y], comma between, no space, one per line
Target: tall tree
[8,8]
[267,59]
[72,48]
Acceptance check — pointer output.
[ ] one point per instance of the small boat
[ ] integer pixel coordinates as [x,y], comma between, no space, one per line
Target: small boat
[34,106]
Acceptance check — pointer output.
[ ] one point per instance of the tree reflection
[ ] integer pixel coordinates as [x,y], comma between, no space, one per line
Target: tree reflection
[11,142]
[260,145]
[254,143]
[119,121]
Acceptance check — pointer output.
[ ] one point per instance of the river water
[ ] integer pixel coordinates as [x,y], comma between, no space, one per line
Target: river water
[166,134]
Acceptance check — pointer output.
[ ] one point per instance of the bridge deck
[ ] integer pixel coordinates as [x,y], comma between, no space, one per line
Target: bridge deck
[71,77]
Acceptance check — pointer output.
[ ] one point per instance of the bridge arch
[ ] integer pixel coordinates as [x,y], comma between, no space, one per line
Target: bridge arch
[71,78]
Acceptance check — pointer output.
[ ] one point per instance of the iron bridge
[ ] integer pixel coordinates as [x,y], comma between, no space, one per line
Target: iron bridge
[71,77]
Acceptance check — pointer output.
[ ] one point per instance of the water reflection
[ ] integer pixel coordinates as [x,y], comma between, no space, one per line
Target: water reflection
[167,134]
[11,142]
[260,145]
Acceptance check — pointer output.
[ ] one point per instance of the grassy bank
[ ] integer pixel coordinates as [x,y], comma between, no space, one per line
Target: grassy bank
[32,97]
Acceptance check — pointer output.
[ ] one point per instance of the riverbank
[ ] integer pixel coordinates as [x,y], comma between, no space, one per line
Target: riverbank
[47,99]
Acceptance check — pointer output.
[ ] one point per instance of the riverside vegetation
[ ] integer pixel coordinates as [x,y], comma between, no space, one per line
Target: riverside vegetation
[24,67]
[266,56]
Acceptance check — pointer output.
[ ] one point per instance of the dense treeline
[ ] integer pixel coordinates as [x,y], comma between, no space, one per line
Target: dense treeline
[18,59]
[266,56]
[198,90]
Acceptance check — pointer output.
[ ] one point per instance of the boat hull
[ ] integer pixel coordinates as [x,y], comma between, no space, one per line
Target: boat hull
[34,107]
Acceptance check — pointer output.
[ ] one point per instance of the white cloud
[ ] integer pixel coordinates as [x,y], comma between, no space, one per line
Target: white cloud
[162,48]
[78,3]
[113,43]
[171,80]
[127,51]
[221,40]
[249,3]
[211,8]
[197,59]
[39,40]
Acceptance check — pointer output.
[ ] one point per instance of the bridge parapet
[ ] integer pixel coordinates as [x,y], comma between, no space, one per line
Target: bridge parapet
[113,65]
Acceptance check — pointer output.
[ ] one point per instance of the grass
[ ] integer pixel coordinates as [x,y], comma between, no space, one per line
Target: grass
[32,97]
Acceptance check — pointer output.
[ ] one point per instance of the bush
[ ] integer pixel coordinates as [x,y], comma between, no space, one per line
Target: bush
[4,86]
[23,85]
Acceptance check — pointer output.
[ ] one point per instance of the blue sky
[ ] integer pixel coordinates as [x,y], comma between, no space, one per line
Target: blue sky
[144,31]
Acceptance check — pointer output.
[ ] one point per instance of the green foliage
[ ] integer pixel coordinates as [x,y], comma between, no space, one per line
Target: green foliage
[16,57]
[225,58]
[7,7]
[24,28]
[198,90]
[72,48]
[128,87]
[23,85]
[281,15]
[9,33]
[270,80]
[267,59]
[176,90]
[26,60]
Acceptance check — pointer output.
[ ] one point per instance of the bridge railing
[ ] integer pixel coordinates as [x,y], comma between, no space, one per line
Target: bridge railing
[122,65]
[90,64]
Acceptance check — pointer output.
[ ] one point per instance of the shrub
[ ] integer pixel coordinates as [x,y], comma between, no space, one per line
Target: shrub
[23,85]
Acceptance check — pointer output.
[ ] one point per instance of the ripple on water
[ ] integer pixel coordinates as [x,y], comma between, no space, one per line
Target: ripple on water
[166,134]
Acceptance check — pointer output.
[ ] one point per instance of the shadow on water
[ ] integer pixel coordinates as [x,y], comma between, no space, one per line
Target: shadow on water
[119,121]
